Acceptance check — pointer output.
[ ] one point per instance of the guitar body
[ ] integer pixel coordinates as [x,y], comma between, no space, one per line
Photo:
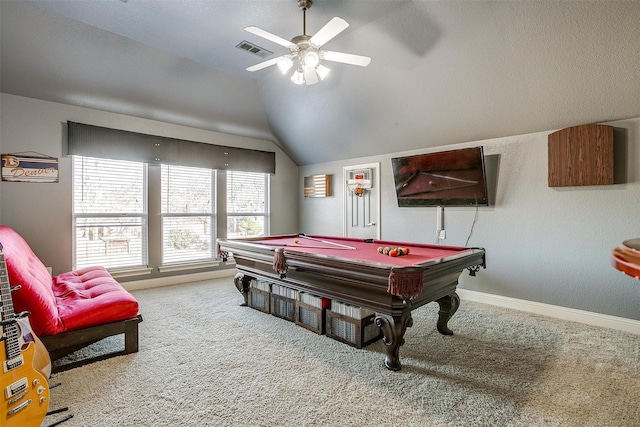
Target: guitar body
[41,359]
[25,391]
[26,365]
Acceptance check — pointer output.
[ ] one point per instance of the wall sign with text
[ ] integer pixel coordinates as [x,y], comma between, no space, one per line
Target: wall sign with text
[26,167]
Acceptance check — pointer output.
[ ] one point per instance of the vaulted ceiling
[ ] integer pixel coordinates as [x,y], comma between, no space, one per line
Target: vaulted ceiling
[442,72]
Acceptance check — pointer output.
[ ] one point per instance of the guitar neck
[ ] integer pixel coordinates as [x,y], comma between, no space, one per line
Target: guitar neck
[6,302]
[11,331]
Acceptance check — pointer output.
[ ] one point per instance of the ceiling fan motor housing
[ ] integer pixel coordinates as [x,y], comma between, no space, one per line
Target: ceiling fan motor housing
[302,39]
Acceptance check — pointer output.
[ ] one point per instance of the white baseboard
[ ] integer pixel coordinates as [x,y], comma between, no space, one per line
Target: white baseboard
[586,317]
[175,280]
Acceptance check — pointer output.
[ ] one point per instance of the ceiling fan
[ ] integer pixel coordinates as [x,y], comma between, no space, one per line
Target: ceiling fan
[305,51]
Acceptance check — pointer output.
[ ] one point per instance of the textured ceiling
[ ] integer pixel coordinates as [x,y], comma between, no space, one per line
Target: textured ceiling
[442,72]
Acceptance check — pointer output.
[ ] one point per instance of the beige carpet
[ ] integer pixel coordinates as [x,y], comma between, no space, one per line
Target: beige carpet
[206,361]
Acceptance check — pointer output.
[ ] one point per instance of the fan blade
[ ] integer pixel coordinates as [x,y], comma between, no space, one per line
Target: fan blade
[310,76]
[265,64]
[347,58]
[329,31]
[272,37]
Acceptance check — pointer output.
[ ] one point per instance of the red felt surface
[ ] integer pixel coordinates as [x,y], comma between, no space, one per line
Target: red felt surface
[365,252]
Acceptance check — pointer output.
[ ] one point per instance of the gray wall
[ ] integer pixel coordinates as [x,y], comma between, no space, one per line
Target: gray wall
[41,213]
[543,244]
[549,245]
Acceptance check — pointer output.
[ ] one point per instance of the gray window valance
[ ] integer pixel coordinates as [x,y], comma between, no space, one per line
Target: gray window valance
[96,141]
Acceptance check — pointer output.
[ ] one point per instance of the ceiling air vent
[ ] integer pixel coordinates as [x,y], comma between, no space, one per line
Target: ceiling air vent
[252,48]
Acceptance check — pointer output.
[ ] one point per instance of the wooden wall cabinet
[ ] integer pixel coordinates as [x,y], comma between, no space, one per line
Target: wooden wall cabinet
[581,155]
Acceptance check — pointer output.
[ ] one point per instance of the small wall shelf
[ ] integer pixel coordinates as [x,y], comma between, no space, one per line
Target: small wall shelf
[581,155]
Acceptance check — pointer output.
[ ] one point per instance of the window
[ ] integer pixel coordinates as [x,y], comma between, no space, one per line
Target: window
[188,214]
[109,213]
[114,199]
[247,204]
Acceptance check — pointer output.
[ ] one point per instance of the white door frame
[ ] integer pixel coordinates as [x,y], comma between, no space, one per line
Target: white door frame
[375,167]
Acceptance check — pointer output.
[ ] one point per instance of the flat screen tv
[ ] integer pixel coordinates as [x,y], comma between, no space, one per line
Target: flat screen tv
[446,178]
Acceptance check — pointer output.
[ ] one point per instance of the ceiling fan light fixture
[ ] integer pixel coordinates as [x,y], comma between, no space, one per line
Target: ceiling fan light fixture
[310,58]
[284,64]
[297,77]
[322,71]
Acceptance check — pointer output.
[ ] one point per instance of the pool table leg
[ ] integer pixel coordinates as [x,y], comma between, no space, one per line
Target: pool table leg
[448,306]
[393,329]
[242,282]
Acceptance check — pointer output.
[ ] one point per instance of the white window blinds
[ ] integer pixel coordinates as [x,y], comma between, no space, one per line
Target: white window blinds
[247,204]
[109,213]
[188,214]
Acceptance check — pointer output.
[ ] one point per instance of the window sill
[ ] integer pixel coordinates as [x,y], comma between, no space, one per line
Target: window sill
[189,266]
[127,272]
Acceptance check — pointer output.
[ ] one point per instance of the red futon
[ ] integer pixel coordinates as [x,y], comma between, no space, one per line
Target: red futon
[71,310]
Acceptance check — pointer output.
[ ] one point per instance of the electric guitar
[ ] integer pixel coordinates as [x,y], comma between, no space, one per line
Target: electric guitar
[25,364]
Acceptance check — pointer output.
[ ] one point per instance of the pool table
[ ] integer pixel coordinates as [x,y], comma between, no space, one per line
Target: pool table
[353,271]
